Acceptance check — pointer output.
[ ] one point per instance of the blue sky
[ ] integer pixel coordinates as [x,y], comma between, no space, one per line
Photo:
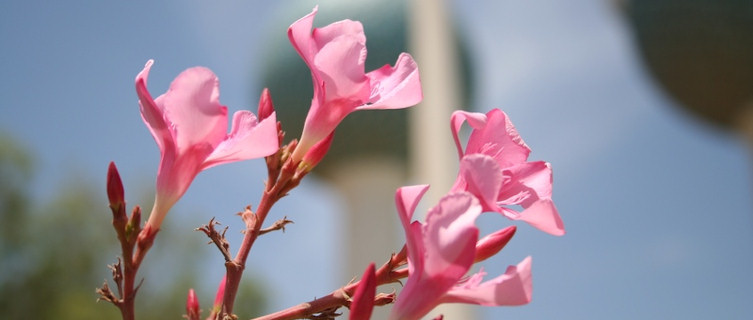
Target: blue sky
[657,204]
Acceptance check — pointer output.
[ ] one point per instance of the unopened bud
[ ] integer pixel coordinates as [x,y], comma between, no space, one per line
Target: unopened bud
[266,108]
[219,296]
[316,153]
[192,306]
[115,192]
[493,243]
[363,299]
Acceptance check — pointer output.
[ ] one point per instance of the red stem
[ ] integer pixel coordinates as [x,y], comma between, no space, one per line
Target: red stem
[277,187]
[340,297]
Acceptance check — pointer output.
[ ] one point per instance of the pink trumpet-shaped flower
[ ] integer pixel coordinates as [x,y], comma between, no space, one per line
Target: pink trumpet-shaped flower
[363,299]
[336,54]
[494,167]
[440,253]
[190,127]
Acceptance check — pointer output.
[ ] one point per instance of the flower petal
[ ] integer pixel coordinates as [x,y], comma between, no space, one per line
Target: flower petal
[498,139]
[530,186]
[192,108]
[450,236]
[395,87]
[152,114]
[406,200]
[512,288]
[483,178]
[340,66]
[475,119]
[247,140]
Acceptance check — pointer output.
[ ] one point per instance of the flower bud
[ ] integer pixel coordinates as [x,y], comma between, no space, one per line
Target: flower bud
[363,299]
[316,153]
[219,296]
[192,306]
[266,108]
[493,243]
[115,192]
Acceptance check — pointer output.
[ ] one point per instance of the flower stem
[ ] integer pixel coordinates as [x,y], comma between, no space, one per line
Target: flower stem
[341,297]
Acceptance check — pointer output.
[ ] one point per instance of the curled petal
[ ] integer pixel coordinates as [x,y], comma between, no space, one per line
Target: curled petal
[512,288]
[498,139]
[475,120]
[395,87]
[530,186]
[406,200]
[247,140]
[153,114]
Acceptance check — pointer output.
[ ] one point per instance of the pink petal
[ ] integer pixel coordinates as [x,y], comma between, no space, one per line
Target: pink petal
[151,113]
[544,216]
[512,288]
[498,139]
[192,108]
[483,178]
[340,65]
[406,200]
[247,140]
[349,28]
[395,87]
[299,34]
[363,299]
[475,120]
[531,187]
[450,236]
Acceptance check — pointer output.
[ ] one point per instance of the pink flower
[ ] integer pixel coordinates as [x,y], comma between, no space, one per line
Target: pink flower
[494,167]
[336,55]
[440,253]
[190,127]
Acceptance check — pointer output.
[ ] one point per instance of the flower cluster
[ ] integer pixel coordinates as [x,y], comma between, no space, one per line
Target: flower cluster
[190,127]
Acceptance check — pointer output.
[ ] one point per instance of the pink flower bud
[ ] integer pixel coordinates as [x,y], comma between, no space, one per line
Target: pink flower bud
[266,108]
[317,152]
[192,306]
[115,191]
[219,296]
[363,299]
[488,246]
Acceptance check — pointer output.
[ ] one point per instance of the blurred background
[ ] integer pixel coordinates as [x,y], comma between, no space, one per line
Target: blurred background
[642,107]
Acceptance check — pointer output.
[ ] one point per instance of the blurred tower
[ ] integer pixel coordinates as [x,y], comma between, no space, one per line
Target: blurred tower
[368,158]
[701,53]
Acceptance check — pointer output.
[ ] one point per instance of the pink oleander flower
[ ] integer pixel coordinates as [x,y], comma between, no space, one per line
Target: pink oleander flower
[495,168]
[190,127]
[336,55]
[440,253]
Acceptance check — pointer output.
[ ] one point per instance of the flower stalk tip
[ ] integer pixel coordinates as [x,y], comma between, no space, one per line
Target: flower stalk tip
[115,192]
[491,244]
[192,306]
